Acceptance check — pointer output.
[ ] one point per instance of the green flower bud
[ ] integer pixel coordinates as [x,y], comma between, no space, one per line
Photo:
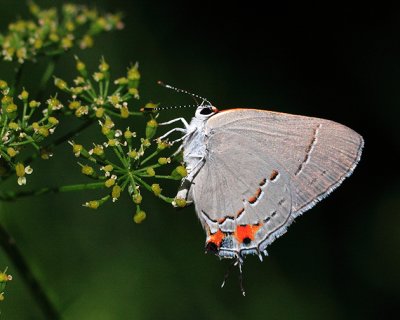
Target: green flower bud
[24,95]
[87,170]
[81,111]
[109,183]
[124,111]
[151,128]
[98,76]
[139,216]
[112,142]
[86,42]
[163,160]
[35,126]
[98,150]
[108,168]
[3,85]
[74,105]
[60,84]
[133,73]
[76,90]
[181,170]
[150,172]
[100,112]
[53,121]
[43,131]
[54,37]
[114,99]
[94,204]
[81,67]
[134,92]
[128,134]
[13,125]
[5,277]
[12,107]
[180,202]
[116,192]
[121,81]
[20,169]
[132,154]
[156,189]
[137,198]
[146,143]
[77,149]
[70,26]
[12,152]
[103,67]
[67,42]
[162,145]
[6,100]
[34,104]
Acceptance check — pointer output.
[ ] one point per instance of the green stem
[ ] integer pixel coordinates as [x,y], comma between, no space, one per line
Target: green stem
[150,156]
[46,76]
[144,169]
[134,113]
[117,152]
[4,128]
[106,87]
[24,115]
[167,177]
[148,187]
[11,196]
[37,291]
[101,89]
[115,114]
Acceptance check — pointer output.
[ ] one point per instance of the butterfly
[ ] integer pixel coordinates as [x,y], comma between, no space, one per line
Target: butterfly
[252,172]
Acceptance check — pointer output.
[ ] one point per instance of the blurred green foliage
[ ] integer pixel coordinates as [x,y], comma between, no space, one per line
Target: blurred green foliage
[339,261]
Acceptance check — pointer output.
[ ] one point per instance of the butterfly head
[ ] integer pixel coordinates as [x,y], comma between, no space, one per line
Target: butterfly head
[205,111]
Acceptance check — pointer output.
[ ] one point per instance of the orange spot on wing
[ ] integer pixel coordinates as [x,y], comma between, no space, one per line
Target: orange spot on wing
[246,233]
[273,175]
[217,238]
[254,198]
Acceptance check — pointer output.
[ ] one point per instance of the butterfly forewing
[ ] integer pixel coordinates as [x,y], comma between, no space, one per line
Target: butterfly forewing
[316,153]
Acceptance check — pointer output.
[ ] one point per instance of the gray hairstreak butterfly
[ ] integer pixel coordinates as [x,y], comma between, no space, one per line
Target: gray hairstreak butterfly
[252,172]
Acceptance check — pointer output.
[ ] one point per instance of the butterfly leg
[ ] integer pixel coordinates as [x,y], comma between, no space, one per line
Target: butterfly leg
[180,139]
[175,120]
[171,131]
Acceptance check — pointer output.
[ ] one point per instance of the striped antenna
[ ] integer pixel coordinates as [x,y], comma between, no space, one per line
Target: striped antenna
[175,107]
[182,91]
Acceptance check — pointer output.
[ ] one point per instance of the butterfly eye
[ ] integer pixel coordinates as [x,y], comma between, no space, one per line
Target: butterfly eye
[206,111]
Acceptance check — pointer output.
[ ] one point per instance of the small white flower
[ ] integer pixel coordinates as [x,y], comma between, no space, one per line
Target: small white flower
[118,133]
[28,170]
[21,181]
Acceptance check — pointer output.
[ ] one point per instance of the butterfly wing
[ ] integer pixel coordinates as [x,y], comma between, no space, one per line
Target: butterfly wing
[262,170]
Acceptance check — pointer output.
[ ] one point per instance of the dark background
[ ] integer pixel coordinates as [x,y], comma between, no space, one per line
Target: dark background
[339,261]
